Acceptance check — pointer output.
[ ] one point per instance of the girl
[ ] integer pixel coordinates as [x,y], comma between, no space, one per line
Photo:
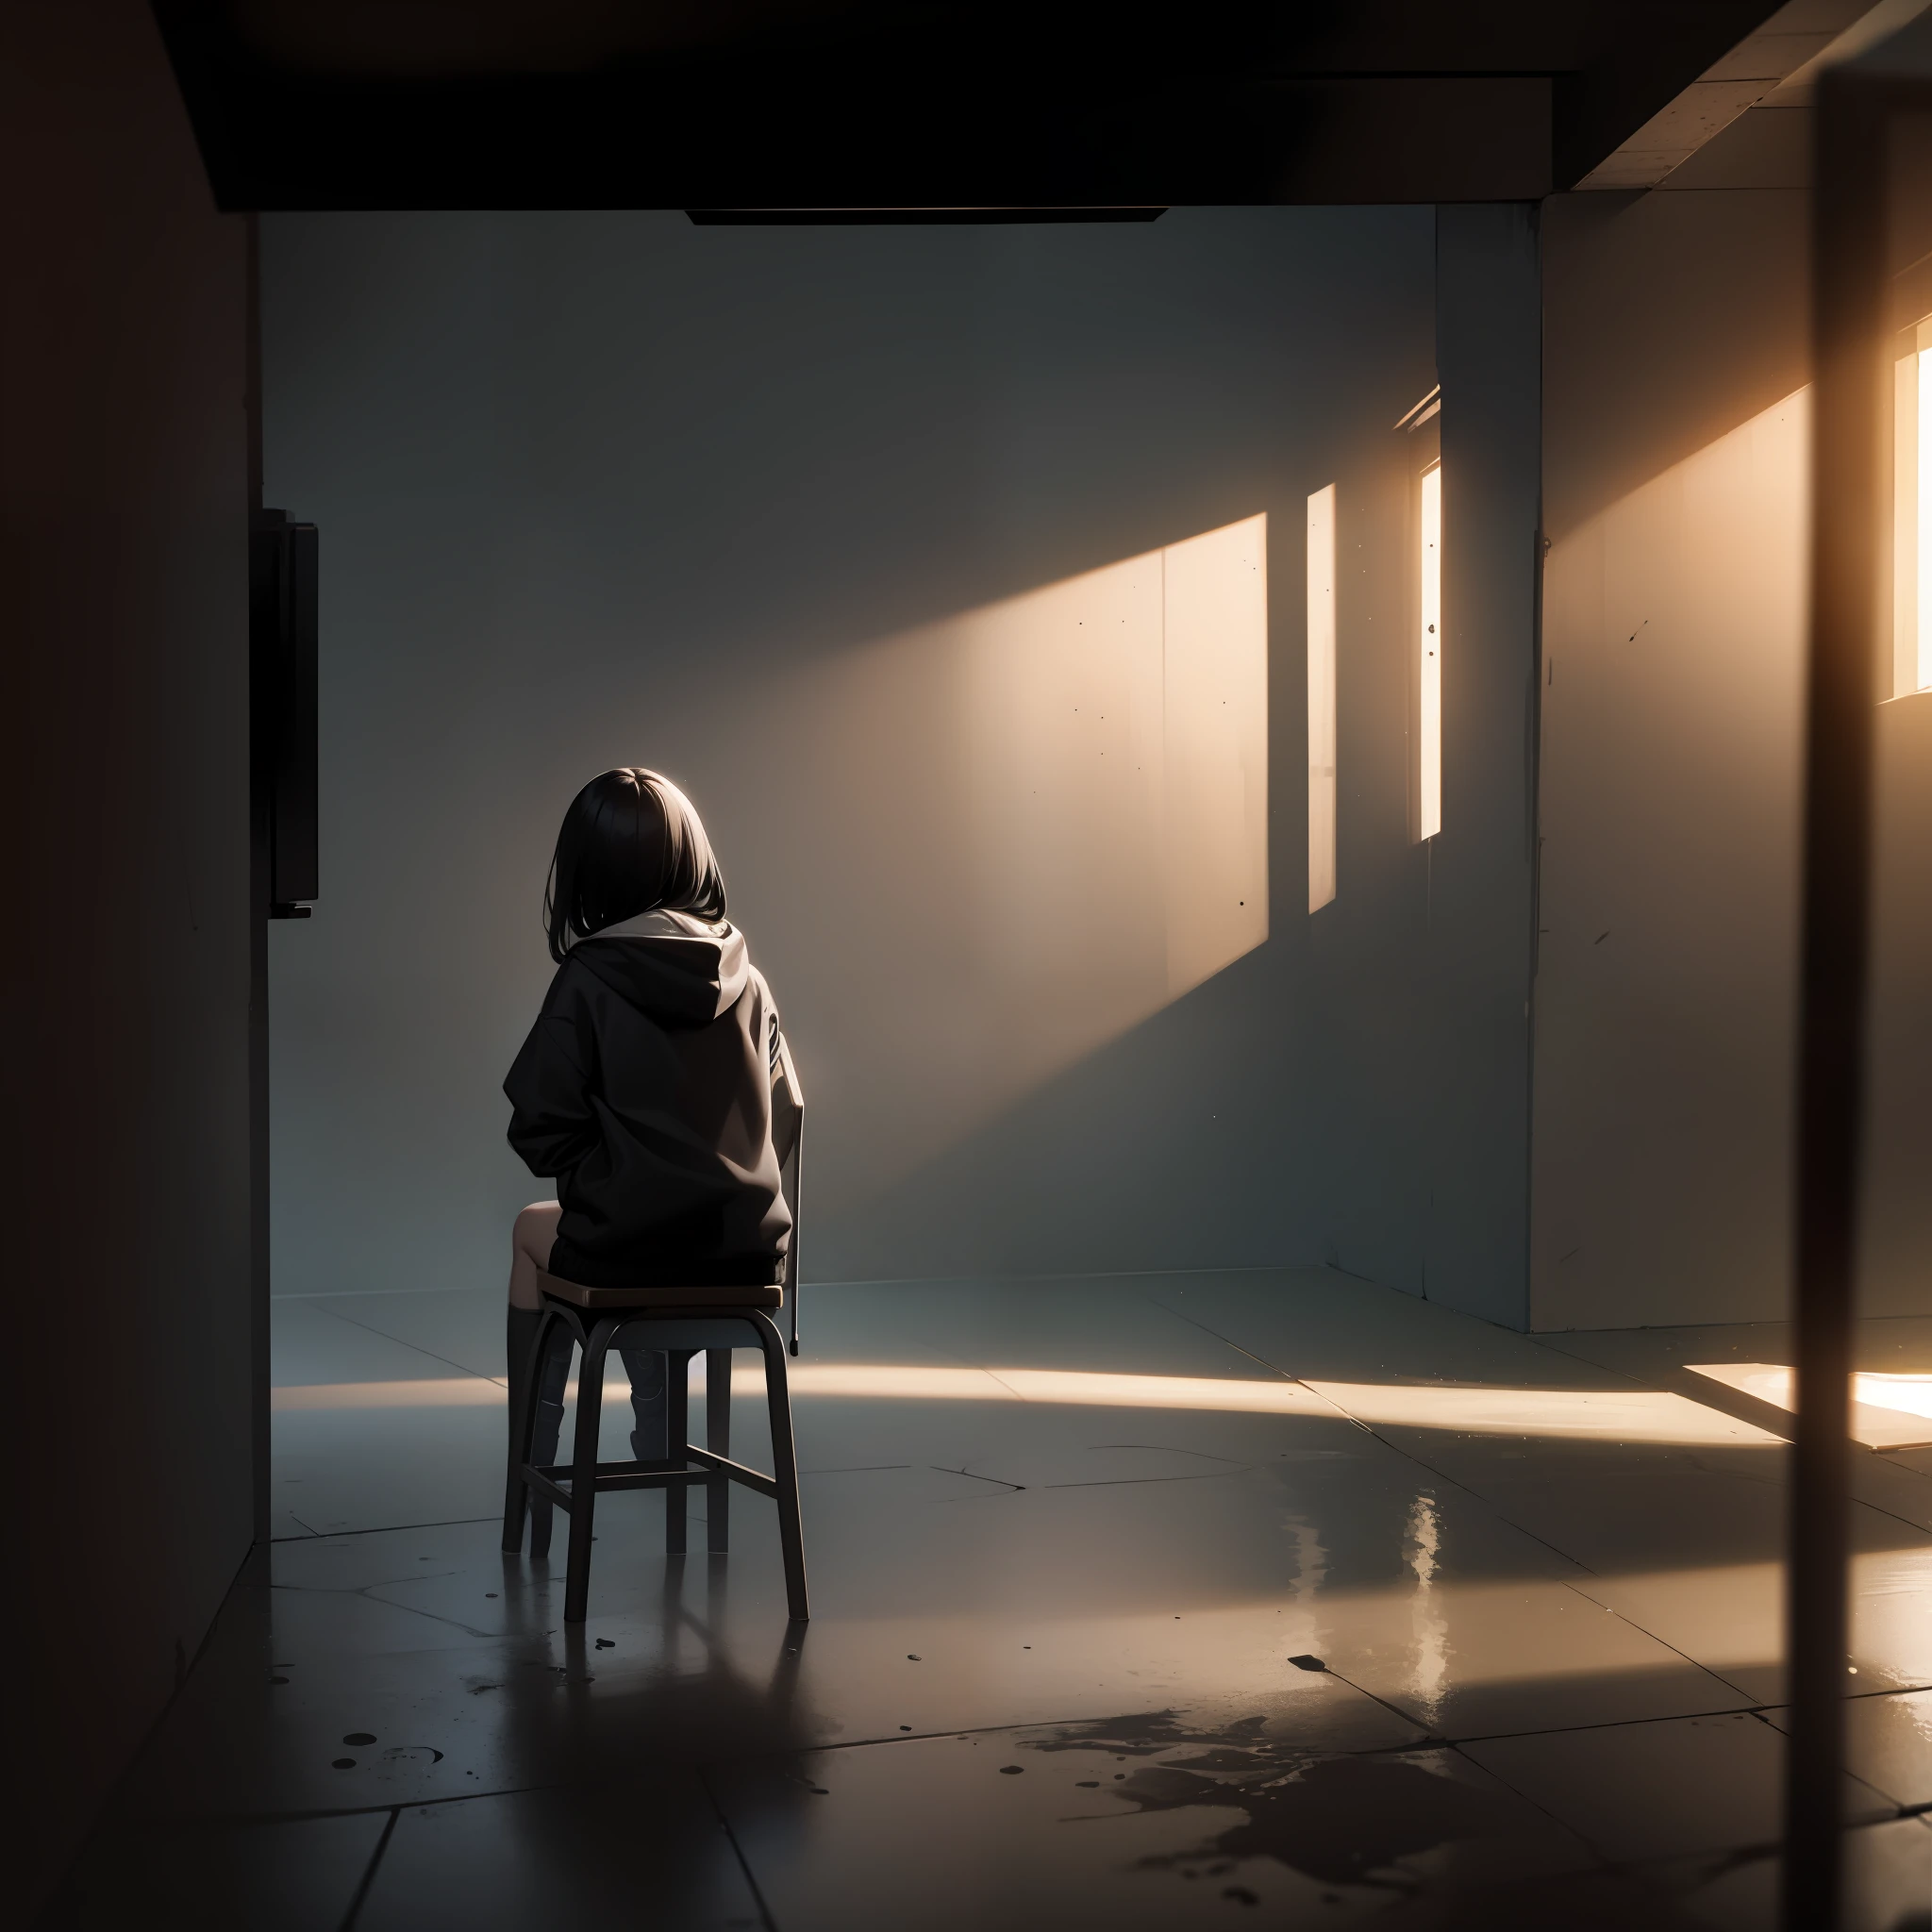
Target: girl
[646,1087]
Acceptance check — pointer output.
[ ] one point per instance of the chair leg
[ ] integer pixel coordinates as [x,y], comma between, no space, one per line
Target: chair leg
[718,1440]
[523,1331]
[583,1475]
[677,1443]
[784,1467]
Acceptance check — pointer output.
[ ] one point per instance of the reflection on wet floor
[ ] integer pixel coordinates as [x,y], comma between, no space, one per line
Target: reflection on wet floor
[1156,1602]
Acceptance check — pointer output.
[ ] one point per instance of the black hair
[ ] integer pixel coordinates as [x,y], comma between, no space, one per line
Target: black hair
[631,843]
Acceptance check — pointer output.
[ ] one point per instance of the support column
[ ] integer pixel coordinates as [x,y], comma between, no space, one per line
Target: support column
[1481,867]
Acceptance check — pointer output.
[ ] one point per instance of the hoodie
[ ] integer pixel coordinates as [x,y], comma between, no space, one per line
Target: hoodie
[645,1090]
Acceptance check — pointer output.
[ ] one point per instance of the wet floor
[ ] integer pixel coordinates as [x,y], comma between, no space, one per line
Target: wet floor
[1168,1601]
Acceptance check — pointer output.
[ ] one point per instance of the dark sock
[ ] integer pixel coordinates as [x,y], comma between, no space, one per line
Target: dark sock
[553,1373]
[520,1333]
[551,1379]
[519,1337]
[650,1403]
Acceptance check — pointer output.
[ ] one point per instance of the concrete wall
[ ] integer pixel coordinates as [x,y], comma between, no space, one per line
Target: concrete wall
[1673,622]
[122,577]
[766,507]
[1896,1263]
[1480,867]
[1675,499]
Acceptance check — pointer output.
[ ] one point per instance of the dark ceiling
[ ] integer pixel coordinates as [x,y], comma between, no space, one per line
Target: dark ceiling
[761,104]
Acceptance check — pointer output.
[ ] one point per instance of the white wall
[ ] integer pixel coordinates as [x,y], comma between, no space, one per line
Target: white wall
[812,517]
[1896,1260]
[1677,491]
[1675,453]
[1674,628]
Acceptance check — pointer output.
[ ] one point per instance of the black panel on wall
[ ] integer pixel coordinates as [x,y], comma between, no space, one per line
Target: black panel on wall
[282,614]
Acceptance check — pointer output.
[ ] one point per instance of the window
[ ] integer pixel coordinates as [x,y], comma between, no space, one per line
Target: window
[1423,427]
[1429,657]
[1911,529]
[1321,591]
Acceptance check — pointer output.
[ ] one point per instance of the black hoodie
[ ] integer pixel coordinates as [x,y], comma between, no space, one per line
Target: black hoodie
[645,1090]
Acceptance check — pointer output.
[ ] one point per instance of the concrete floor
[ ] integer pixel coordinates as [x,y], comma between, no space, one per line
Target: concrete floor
[1157,1602]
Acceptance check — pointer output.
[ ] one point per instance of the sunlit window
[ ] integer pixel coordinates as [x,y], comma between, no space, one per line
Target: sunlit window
[1320,698]
[1429,659]
[1911,545]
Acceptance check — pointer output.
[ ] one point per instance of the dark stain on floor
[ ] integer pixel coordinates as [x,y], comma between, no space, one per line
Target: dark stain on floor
[1341,1821]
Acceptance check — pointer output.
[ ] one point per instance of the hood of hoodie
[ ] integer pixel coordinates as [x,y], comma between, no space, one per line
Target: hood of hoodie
[676,970]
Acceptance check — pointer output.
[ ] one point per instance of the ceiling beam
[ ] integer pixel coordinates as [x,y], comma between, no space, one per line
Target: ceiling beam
[1793,40]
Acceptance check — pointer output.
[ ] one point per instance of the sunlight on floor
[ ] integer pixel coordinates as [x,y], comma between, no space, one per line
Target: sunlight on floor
[1640,1415]
[1888,1411]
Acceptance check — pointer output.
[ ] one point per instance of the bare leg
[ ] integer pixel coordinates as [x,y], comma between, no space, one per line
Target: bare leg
[530,1242]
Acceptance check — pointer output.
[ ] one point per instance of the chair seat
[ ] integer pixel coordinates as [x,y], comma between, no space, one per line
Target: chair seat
[728,1296]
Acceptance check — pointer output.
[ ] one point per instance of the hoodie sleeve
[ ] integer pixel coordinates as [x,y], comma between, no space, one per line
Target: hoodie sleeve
[787,1096]
[553,1125]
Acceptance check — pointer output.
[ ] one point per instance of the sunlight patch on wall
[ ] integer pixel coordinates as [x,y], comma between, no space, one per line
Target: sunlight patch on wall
[1116,727]
[1674,626]
[1214,763]
[1050,815]
[1671,774]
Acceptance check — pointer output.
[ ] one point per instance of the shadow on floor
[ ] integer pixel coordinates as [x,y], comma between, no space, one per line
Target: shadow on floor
[1196,1600]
